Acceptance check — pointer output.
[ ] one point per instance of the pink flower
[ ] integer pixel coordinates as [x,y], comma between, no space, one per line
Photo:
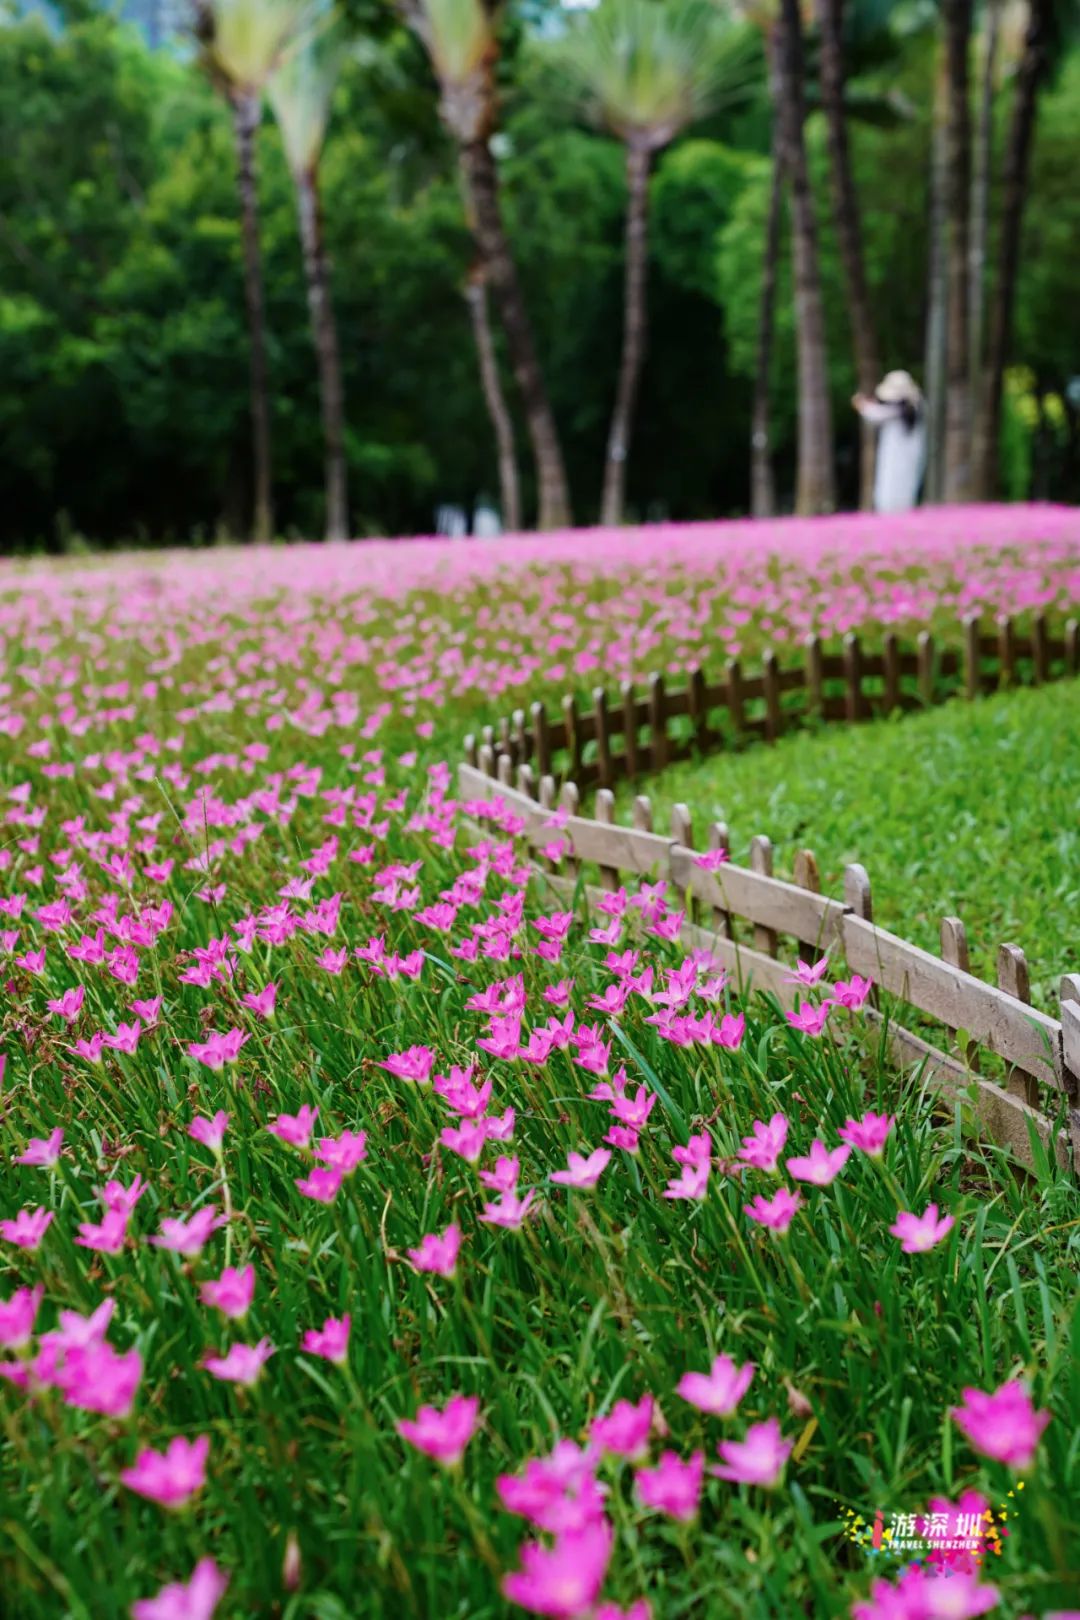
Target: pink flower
[210,1132]
[674,1486]
[819,1166]
[729,1031]
[437,1253]
[711,860]
[922,1595]
[776,1212]
[320,1184]
[196,1600]
[625,1430]
[509,1210]
[718,1391]
[806,974]
[295,1129]
[640,1610]
[218,1049]
[187,1237]
[344,1152]
[558,1492]
[868,1134]
[69,1005]
[241,1364]
[756,1460]
[170,1477]
[562,1581]
[27,1229]
[1004,1425]
[582,1171]
[109,1236]
[763,1148]
[413,1064]
[917,1233]
[90,1050]
[808,1018]
[17,1317]
[443,1434]
[126,1038]
[851,992]
[231,1293]
[331,1341]
[261,1002]
[43,1151]
[467,1139]
[692,1182]
[97,1379]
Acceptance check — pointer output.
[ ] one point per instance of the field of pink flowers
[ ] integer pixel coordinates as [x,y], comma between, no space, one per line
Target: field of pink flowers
[382,1235]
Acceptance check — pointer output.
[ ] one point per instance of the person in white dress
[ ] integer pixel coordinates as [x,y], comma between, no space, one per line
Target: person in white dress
[898,411]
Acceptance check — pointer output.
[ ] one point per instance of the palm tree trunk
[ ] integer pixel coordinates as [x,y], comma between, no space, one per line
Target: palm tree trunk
[762,487]
[937,299]
[327,354]
[958,483]
[495,399]
[1034,64]
[980,214]
[815,486]
[246,111]
[849,229]
[500,272]
[635,331]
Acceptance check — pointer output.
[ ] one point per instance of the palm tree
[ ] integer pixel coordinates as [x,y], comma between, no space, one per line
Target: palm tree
[300,93]
[476,300]
[815,484]
[762,485]
[242,42]
[958,481]
[646,69]
[462,42]
[830,15]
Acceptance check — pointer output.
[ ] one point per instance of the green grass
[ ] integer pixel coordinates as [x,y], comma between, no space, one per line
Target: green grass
[970,810]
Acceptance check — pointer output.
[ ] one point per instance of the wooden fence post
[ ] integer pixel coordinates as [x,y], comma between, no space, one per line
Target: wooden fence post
[547,793]
[971,655]
[573,736]
[696,707]
[630,728]
[761,860]
[890,652]
[815,677]
[853,697]
[682,832]
[470,750]
[1040,650]
[736,706]
[807,876]
[603,738]
[924,648]
[770,680]
[657,722]
[1069,1007]
[954,950]
[522,739]
[485,759]
[1014,979]
[541,739]
[642,813]
[1007,650]
[1072,646]
[526,781]
[570,800]
[605,813]
[857,896]
[504,769]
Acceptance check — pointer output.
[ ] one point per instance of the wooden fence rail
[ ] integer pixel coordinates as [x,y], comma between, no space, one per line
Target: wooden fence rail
[625,735]
[743,914]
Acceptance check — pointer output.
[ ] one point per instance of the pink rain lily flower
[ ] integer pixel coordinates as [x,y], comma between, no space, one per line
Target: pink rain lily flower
[443,1434]
[691,1183]
[344,1152]
[624,1432]
[851,993]
[231,1293]
[437,1252]
[809,1019]
[762,1149]
[562,1581]
[27,1228]
[320,1184]
[868,1134]
[194,1600]
[43,1151]
[331,1341]
[97,1379]
[210,1132]
[170,1477]
[187,1237]
[261,1002]
[758,1459]
[295,1129]
[241,1363]
[921,1594]
[673,1486]
[509,1210]
[718,1391]
[1003,1425]
[413,1064]
[582,1171]
[776,1212]
[69,1005]
[820,1166]
[17,1317]
[108,1237]
[504,1177]
[917,1233]
[807,973]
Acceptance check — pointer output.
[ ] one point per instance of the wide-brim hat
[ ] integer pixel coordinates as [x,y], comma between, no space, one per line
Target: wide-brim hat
[898,388]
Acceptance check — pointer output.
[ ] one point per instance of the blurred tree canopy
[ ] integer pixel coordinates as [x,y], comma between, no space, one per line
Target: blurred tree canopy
[123,370]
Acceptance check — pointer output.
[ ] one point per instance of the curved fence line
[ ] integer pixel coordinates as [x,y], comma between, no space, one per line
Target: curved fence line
[1029,1104]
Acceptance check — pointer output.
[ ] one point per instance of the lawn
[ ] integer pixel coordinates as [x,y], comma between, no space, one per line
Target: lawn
[379,1236]
[968,810]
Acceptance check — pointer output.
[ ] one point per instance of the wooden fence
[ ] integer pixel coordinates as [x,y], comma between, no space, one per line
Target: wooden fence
[743,914]
[625,735]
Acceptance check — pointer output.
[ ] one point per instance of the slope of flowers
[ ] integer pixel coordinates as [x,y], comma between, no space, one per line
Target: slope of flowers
[382,1234]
